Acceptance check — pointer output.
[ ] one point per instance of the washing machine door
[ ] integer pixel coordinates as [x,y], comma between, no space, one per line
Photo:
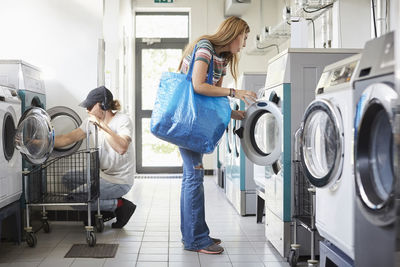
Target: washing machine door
[322,144]
[373,153]
[64,120]
[261,132]
[34,136]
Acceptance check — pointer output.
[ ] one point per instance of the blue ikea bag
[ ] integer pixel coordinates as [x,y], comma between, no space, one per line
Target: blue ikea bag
[187,119]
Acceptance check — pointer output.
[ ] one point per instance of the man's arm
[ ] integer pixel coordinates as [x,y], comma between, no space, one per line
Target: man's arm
[69,138]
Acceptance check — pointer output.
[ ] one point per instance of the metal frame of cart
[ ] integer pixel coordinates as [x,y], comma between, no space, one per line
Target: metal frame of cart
[72,180]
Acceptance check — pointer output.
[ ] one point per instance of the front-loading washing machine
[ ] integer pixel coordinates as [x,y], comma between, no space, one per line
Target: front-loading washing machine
[10,160]
[326,146]
[27,80]
[291,80]
[375,179]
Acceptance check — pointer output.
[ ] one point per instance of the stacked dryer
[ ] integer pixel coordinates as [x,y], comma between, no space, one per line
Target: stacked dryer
[326,156]
[375,177]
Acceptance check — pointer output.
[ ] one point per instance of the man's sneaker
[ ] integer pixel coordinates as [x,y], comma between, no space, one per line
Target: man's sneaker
[123,213]
[213,249]
[107,215]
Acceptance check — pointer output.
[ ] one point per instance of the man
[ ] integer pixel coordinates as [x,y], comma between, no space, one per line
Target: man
[115,153]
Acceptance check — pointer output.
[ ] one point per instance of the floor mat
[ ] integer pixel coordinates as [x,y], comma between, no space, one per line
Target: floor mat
[98,251]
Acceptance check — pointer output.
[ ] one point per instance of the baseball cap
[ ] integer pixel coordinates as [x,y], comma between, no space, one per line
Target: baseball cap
[99,94]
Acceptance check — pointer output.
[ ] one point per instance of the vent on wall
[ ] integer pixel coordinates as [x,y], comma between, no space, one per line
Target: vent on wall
[236,7]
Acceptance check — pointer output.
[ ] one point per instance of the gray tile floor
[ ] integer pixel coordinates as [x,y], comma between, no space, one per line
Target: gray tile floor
[152,237]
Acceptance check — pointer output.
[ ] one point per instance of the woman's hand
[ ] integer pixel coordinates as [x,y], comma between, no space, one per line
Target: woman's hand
[245,95]
[238,114]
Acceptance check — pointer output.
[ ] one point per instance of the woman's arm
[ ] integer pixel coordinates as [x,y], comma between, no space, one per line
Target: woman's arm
[199,84]
[69,138]
[201,87]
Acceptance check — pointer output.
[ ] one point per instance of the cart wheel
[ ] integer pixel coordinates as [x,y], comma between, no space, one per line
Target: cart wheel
[46,227]
[91,239]
[99,225]
[293,257]
[31,239]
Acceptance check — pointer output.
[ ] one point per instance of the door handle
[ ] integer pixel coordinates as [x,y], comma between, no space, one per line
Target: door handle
[239,132]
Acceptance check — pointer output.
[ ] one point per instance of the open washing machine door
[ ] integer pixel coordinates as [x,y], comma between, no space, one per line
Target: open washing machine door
[373,154]
[34,136]
[261,133]
[322,144]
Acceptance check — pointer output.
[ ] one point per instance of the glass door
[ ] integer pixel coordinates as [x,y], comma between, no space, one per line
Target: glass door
[322,144]
[158,49]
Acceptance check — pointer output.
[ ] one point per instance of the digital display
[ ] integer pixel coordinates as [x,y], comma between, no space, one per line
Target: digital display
[342,74]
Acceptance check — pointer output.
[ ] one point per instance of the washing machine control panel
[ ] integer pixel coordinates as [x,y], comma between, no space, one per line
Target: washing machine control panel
[337,75]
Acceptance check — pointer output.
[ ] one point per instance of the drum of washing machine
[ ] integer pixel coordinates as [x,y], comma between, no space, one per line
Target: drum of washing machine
[64,120]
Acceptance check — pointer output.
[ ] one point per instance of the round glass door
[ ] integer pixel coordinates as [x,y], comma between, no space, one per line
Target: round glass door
[322,144]
[375,180]
[261,133]
[34,137]
[8,135]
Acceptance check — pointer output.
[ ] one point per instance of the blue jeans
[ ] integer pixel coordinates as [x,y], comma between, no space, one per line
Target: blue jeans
[195,233]
[109,192]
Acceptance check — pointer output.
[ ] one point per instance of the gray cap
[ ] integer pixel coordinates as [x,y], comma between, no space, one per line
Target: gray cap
[98,95]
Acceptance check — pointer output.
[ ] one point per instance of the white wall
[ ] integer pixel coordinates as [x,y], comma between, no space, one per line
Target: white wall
[61,38]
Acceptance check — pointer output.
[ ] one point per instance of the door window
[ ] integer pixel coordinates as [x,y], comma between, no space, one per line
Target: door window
[320,143]
[160,40]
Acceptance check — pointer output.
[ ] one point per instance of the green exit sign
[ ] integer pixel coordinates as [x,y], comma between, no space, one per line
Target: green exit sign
[163,1]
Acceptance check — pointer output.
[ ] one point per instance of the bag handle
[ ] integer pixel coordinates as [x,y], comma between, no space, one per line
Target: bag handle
[210,74]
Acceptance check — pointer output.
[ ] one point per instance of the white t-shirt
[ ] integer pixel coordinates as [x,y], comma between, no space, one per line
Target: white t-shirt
[115,168]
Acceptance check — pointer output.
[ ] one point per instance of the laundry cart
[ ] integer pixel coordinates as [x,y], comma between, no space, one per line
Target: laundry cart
[304,207]
[71,180]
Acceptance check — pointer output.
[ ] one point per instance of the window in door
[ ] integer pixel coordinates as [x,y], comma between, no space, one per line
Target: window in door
[160,40]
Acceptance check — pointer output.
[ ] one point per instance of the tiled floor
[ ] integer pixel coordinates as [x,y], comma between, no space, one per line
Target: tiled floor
[152,237]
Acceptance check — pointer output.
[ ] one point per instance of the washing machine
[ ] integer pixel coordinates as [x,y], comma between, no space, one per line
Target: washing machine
[10,160]
[326,153]
[240,185]
[291,78]
[375,179]
[26,78]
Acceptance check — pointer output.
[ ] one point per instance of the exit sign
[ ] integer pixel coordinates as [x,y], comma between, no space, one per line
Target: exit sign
[163,1]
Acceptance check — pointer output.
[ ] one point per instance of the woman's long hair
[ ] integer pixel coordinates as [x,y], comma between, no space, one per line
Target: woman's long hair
[227,32]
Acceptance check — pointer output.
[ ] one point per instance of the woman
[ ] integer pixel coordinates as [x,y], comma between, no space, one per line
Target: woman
[115,153]
[223,47]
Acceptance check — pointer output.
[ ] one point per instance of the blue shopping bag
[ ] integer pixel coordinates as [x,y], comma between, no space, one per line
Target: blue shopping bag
[184,118]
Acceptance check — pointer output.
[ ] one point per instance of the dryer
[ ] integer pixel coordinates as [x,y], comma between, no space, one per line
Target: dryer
[326,153]
[292,77]
[375,179]
[10,159]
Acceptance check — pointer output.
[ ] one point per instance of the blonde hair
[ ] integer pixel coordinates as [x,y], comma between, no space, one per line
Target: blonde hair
[115,105]
[226,33]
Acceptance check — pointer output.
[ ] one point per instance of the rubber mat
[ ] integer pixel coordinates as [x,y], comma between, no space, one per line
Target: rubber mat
[98,251]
